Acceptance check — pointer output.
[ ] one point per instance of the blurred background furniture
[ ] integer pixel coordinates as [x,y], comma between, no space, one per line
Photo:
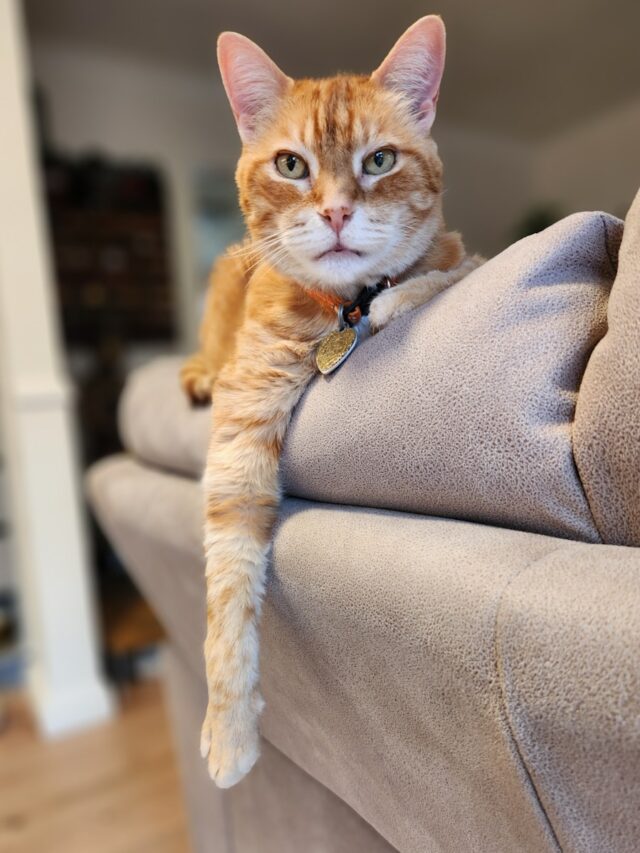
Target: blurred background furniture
[112,271]
[452,621]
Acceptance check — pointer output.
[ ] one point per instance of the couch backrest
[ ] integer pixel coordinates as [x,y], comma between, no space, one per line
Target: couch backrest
[607,424]
[465,407]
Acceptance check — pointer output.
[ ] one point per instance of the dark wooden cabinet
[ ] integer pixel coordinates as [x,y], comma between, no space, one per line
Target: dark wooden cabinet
[108,227]
[111,251]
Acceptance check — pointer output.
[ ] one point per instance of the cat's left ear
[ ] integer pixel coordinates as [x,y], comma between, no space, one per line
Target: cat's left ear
[414,65]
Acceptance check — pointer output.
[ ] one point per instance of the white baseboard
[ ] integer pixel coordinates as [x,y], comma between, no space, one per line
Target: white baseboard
[65,711]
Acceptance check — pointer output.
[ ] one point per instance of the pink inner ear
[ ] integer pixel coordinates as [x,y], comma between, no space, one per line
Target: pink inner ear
[253,82]
[414,66]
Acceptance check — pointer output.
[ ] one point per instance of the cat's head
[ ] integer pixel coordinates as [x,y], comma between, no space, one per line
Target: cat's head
[339,179]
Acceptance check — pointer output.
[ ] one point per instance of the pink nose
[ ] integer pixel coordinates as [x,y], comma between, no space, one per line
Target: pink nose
[336,216]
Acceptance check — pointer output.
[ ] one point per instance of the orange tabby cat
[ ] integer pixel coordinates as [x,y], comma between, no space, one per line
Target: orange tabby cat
[341,185]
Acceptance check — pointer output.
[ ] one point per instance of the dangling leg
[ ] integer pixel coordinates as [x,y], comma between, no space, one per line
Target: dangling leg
[252,404]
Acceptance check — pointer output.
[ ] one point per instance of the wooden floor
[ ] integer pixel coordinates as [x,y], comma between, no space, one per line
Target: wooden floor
[112,789]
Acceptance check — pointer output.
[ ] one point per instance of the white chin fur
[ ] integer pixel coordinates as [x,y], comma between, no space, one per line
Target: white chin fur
[382,254]
[339,269]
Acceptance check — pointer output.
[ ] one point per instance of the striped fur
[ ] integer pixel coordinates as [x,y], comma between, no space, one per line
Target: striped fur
[261,326]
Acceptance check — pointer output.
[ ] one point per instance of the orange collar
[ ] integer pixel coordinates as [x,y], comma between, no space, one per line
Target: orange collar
[333,303]
[328,301]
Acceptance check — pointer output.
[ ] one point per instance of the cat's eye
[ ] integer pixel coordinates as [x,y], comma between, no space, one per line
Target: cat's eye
[291,166]
[379,162]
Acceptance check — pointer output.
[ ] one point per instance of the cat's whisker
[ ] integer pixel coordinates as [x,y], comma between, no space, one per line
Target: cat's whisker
[262,249]
[256,247]
[276,256]
[268,258]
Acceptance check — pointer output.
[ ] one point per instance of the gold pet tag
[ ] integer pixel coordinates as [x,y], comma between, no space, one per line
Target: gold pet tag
[335,348]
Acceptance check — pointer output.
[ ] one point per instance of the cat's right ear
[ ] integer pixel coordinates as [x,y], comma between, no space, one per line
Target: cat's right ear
[253,82]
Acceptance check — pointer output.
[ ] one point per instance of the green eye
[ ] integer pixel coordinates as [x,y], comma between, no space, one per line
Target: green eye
[291,166]
[379,162]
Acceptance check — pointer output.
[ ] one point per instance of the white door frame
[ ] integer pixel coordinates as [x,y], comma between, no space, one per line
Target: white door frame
[63,676]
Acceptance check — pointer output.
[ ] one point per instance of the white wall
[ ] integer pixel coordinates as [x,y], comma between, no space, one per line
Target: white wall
[594,166]
[136,110]
[487,185]
[492,181]
[6,574]
[43,492]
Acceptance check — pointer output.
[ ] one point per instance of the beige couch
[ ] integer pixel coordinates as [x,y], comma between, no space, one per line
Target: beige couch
[451,635]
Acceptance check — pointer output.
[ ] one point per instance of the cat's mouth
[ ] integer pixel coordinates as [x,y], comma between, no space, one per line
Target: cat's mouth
[339,250]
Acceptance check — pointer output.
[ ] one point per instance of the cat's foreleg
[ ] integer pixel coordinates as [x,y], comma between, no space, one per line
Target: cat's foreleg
[252,405]
[235,575]
[398,300]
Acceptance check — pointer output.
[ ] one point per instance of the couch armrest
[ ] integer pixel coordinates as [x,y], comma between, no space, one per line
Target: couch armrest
[401,668]
[567,641]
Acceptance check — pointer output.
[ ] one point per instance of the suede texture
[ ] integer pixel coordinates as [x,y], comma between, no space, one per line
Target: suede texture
[607,423]
[278,808]
[461,409]
[460,686]
[157,423]
[567,644]
[464,408]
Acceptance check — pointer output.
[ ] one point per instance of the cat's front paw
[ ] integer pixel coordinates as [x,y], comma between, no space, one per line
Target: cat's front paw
[230,740]
[196,380]
[385,308]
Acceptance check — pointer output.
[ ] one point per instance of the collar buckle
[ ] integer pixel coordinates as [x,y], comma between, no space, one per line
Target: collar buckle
[353,312]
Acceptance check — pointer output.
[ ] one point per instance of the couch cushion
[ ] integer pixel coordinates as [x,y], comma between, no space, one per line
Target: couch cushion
[464,409]
[462,687]
[607,424]
[157,423]
[461,409]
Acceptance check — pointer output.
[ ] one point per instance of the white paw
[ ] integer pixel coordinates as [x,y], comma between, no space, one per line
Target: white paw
[230,740]
[383,310]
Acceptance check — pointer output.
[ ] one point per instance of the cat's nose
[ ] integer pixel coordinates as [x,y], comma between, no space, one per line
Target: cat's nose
[337,216]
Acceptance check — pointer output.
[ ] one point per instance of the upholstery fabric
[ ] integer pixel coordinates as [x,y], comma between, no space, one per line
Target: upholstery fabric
[568,635]
[278,808]
[461,409]
[449,681]
[157,423]
[607,424]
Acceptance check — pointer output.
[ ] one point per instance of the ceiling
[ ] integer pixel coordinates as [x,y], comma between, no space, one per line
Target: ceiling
[522,68]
